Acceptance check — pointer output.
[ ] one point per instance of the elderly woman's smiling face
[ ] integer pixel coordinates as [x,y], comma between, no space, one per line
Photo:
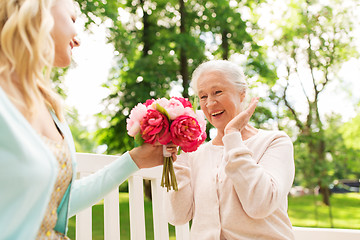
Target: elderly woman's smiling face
[219,98]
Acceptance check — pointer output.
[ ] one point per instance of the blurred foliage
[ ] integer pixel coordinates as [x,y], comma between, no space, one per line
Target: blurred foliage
[344,157]
[159,43]
[153,40]
[351,133]
[315,41]
[84,140]
[341,161]
[57,78]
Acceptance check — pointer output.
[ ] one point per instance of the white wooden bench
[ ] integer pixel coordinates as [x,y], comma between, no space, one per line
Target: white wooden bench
[89,163]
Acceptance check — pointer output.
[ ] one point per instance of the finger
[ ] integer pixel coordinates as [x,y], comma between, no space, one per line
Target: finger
[251,109]
[171,149]
[174,157]
[171,145]
[157,144]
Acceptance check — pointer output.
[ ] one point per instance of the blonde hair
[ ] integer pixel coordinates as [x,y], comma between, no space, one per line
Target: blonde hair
[27,50]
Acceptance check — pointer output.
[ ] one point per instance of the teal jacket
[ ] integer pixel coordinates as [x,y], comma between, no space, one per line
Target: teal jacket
[28,172]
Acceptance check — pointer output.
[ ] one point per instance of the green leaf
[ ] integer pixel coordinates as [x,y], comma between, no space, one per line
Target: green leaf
[195,104]
[162,110]
[138,140]
[179,151]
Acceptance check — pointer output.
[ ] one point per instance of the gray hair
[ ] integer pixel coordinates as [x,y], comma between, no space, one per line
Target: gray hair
[230,70]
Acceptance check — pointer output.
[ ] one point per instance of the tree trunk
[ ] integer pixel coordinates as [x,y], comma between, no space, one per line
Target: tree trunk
[146,31]
[183,58]
[317,146]
[147,46]
[225,44]
[147,189]
[325,193]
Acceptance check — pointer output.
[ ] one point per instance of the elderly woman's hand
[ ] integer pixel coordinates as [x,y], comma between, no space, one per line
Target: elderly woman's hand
[240,121]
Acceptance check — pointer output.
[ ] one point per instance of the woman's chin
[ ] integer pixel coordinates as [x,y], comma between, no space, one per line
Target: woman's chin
[218,125]
[62,62]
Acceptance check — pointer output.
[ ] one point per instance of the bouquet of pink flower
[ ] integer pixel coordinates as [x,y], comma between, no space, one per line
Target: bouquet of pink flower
[164,121]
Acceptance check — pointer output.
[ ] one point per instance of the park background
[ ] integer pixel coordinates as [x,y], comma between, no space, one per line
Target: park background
[301,58]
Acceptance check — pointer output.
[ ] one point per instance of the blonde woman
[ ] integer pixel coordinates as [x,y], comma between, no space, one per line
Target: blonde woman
[38,190]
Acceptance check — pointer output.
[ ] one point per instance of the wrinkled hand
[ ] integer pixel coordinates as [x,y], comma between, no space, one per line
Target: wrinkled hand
[241,120]
[151,155]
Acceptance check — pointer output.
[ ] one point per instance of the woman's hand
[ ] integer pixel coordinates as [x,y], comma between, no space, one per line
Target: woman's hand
[151,155]
[241,120]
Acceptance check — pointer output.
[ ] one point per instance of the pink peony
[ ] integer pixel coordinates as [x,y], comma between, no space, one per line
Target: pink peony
[199,115]
[149,102]
[163,121]
[184,101]
[186,133]
[175,108]
[135,117]
[201,119]
[164,102]
[155,127]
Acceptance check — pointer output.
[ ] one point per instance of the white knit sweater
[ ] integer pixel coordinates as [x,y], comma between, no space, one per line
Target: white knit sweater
[235,191]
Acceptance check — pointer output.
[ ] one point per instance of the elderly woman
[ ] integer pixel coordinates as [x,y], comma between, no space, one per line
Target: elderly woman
[235,186]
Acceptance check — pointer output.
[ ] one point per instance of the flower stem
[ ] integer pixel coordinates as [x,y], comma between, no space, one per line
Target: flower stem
[163,174]
[168,179]
[172,175]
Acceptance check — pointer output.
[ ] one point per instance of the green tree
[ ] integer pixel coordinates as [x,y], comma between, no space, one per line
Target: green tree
[157,46]
[344,157]
[351,132]
[228,35]
[83,139]
[145,56]
[315,41]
